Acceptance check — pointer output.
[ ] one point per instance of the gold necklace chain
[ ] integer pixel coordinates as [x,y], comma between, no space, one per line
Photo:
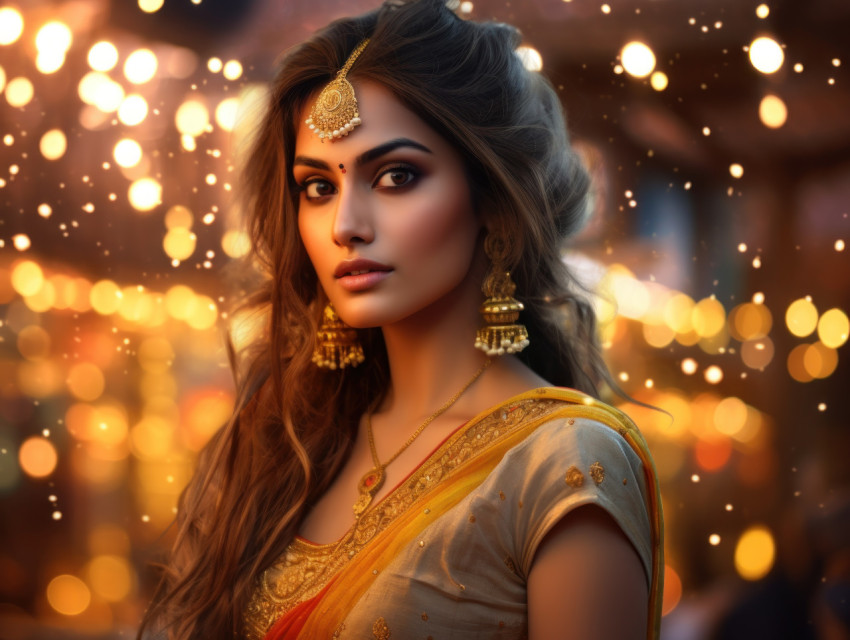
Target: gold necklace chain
[374,478]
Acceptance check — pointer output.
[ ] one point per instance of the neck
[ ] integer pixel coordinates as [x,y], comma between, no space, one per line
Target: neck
[431,355]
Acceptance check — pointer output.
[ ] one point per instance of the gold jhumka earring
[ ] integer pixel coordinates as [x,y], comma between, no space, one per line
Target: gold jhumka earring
[335,114]
[337,346]
[501,334]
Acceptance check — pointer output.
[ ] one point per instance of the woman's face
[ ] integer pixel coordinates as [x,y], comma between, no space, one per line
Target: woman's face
[385,214]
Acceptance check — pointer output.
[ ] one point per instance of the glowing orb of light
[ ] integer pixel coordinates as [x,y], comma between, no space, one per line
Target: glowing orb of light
[801,317]
[86,381]
[21,241]
[833,328]
[232,70]
[192,118]
[658,80]
[151,6]
[531,58]
[713,374]
[19,91]
[736,170]
[105,297]
[127,153]
[766,55]
[53,144]
[772,111]
[111,577]
[133,110]
[11,25]
[762,11]
[68,595]
[235,243]
[102,56]
[179,243]
[225,113]
[140,66]
[638,59]
[54,36]
[37,457]
[214,64]
[48,62]
[145,194]
[755,553]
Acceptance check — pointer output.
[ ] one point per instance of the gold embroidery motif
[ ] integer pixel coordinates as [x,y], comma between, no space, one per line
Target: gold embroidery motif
[305,568]
[597,472]
[571,422]
[574,477]
[380,630]
[509,563]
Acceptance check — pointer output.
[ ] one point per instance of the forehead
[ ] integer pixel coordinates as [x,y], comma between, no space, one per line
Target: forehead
[384,117]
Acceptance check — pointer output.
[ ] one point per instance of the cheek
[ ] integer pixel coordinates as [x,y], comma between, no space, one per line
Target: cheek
[441,224]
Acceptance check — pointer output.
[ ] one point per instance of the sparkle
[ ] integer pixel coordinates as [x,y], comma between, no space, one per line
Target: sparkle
[822,406]
[57,515]
[839,245]
[695,478]
[714,539]
[742,247]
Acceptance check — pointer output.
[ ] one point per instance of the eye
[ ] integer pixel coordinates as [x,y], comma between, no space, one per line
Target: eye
[395,177]
[317,188]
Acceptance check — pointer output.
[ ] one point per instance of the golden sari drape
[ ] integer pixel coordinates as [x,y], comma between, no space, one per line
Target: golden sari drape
[446,553]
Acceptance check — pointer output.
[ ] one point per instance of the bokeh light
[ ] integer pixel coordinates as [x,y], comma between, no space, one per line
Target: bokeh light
[833,328]
[772,111]
[766,55]
[68,595]
[531,58]
[140,66]
[102,56]
[801,317]
[127,153]
[19,92]
[11,25]
[192,118]
[638,59]
[53,144]
[37,457]
[133,110]
[145,194]
[755,553]
[111,577]
[658,80]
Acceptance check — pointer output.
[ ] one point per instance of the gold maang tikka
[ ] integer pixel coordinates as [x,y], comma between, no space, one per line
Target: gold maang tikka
[334,114]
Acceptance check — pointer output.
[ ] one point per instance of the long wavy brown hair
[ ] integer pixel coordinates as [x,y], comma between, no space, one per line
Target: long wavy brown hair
[294,424]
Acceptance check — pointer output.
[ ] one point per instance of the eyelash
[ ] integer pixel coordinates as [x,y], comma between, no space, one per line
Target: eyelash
[400,168]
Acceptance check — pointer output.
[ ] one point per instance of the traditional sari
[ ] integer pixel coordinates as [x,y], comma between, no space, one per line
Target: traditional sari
[447,553]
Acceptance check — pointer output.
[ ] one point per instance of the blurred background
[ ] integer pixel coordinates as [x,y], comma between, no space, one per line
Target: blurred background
[718,136]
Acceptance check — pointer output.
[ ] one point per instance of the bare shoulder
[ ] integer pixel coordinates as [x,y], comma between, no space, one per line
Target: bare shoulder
[584,570]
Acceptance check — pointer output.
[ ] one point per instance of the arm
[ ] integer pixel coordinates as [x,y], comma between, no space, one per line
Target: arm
[587,581]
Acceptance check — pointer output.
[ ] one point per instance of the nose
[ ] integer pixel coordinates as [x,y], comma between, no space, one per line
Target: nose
[352,224]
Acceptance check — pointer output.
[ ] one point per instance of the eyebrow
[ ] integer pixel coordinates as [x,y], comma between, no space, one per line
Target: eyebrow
[366,156]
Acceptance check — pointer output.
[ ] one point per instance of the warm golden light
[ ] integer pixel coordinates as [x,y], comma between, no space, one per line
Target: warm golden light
[820,361]
[762,11]
[638,59]
[21,241]
[801,317]
[11,25]
[152,438]
[658,335]
[755,553]
[145,194]
[110,577]
[178,216]
[140,66]
[833,328]
[27,278]
[179,243]
[531,58]
[48,62]
[730,416]
[225,113]
[68,595]
[766,55]
[713,374]
[772,111]
[151,6]
[757,353]
[102,56]
[736,170]
[86,381]
[708,317]
[133,110]
[678,312]
[53,144]
[19,91]
[232,70]
[127,153]
[105,297]
[658,80]
[672,590]
[33,342]
[749,321]
[54,36]
[795,364]
[214,64]
[37,457]
[203,313]
[235,244]
[192,118]
[98,89]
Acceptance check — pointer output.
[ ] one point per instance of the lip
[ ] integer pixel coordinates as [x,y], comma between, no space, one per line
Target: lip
[348,277]
[346,267]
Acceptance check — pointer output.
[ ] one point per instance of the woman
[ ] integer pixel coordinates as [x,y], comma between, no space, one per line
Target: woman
[382,477]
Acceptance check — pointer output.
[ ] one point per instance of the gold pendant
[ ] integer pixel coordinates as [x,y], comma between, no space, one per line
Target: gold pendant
[368,487]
